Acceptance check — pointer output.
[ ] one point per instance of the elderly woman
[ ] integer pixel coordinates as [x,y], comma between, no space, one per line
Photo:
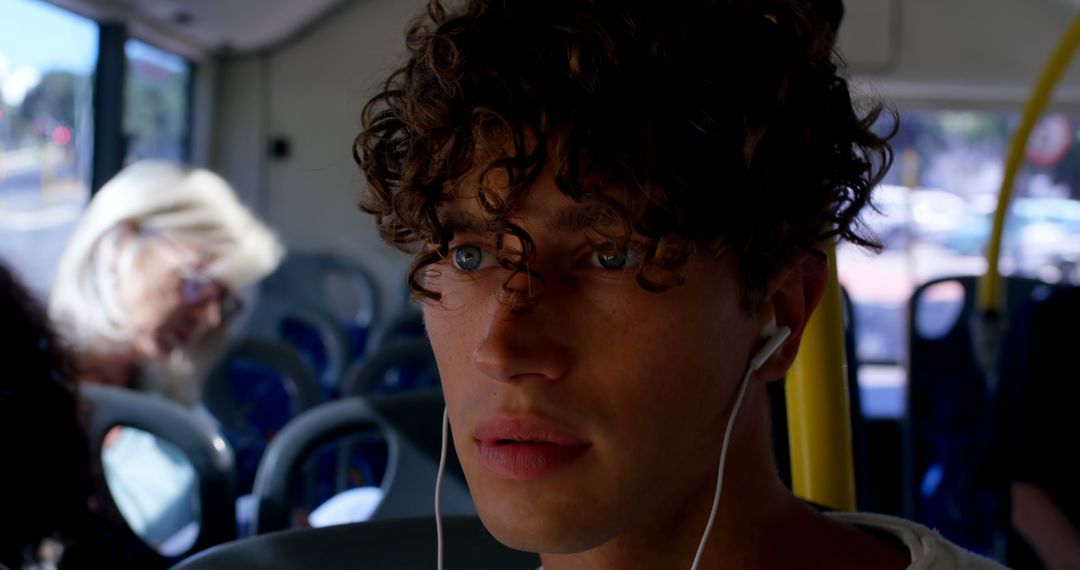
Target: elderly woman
[149,279]
[143,298]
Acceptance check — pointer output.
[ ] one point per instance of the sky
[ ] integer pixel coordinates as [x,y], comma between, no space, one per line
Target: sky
[39,35]
[35,38]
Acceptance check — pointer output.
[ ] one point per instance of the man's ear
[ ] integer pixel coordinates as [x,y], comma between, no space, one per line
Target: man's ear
[791,297]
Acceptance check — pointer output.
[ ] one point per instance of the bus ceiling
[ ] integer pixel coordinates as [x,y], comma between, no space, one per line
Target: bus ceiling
[197,29]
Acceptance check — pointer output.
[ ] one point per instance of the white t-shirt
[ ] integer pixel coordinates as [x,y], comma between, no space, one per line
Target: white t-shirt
[928,549]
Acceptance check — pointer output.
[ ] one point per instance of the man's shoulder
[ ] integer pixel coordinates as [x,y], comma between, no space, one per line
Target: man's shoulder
[929,550]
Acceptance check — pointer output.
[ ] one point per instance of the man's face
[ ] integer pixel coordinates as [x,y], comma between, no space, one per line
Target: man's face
[602,409]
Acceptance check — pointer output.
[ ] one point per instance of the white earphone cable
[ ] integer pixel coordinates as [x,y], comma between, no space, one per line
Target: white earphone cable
[720,470]
[438,489]
[777,336]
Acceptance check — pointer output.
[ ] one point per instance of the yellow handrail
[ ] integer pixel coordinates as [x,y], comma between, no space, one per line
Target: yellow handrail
[990,297]
[819,421]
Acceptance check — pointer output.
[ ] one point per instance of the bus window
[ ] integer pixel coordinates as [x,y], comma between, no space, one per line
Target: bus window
[156,102]
[47,56]
[935,211]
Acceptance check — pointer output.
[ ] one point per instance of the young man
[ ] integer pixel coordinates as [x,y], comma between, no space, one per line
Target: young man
[614,204]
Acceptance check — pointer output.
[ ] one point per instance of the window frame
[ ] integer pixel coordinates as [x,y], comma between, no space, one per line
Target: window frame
[110,81]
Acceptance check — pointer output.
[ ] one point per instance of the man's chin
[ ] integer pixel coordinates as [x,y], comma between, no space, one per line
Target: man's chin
[551,534]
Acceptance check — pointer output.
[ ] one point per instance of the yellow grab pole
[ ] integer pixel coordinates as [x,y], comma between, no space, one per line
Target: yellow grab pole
[819,422]
[990,285]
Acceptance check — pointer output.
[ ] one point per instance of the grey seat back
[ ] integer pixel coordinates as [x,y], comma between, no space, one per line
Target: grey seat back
[403,544]
[411,423]
[323,344]
[338,287]
[201,443]
[952,399]
[220,398]
[402,366]
[406,326]
[341,286]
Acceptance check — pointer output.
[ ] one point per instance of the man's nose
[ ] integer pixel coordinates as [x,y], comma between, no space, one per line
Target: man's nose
[521,345]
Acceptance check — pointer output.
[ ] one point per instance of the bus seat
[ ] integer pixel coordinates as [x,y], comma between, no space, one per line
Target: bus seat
[406,326]
[341,287]
[402,366]
[402,543]
[1035,411]
[199,442]
[312,331]
[410,423]
[256,388]
[951,410]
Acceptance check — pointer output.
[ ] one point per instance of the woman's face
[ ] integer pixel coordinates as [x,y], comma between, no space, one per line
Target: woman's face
[169,301]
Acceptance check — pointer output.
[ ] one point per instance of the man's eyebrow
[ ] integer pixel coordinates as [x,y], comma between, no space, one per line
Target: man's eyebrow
[581,217]
[459,221]
[571,219]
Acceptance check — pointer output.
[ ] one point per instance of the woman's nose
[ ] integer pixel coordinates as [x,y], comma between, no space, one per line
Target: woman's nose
[209,312]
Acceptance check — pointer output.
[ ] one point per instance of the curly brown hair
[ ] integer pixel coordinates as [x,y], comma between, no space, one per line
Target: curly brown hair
[725,122]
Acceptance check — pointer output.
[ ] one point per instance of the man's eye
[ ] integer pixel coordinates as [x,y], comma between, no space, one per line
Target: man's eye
[468,257]
[621,259]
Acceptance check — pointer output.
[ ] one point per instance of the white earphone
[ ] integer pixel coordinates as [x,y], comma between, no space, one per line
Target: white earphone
[776,337]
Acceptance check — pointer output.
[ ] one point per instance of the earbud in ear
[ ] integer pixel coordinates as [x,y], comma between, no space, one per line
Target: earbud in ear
[769,329]
[777,338]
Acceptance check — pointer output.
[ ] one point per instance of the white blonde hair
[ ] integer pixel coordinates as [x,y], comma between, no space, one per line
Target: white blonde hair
[158,199]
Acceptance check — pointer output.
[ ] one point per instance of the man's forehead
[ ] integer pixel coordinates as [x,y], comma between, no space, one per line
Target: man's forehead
[541,205]
[556,215]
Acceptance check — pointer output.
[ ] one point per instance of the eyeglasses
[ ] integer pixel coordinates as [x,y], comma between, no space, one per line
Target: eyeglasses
[197,287]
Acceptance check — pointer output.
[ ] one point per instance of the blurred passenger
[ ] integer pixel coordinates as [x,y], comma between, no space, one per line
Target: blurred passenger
[46,474]
[148,281]
[1039,435]
[52,512]
[144,294]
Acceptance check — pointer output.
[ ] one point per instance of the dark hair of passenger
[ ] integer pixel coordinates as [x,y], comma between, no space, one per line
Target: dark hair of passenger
[726,122]
[45,454]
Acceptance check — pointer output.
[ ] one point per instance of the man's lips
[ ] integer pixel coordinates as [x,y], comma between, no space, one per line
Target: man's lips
[525,429]
[525,448]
